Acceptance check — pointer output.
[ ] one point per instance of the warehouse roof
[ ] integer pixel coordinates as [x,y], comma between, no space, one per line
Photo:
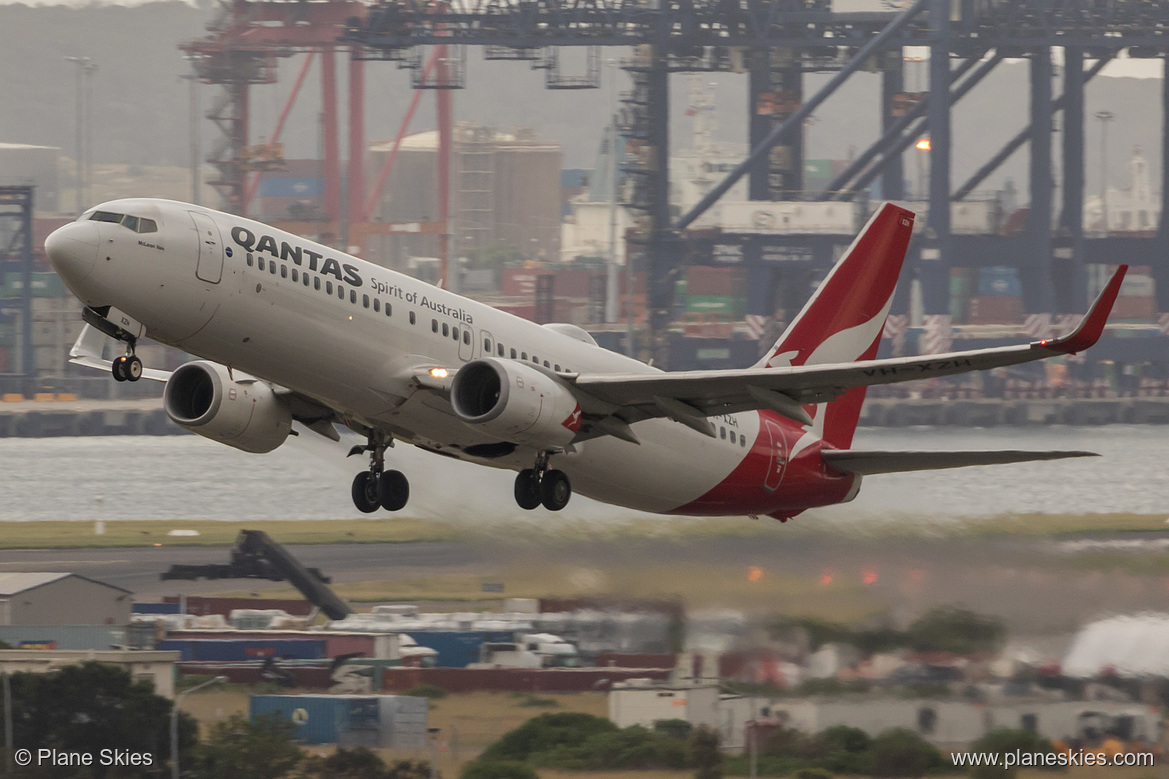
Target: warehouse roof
[18,582]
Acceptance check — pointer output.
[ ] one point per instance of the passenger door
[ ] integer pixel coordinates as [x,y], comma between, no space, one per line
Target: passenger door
[210,265]
[467,343]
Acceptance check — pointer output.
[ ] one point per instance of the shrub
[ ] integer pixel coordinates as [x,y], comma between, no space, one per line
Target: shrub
[1002,741]
[499,769]
[705,756]
[546,733]
[432,691]
[902,753]
[673,728]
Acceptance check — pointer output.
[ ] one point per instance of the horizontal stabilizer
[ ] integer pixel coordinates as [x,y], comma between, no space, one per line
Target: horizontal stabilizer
[864,463]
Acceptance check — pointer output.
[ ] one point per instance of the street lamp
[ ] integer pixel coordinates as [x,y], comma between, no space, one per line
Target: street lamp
[174,723]
[1105,117]
[922,146]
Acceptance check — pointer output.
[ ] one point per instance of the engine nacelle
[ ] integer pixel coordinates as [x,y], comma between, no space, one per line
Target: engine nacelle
[241,412]
[516,403]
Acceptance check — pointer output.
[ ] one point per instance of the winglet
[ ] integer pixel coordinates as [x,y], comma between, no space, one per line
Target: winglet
[1092,325]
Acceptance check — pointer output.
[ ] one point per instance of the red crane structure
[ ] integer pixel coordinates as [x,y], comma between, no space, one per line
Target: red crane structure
[241,50]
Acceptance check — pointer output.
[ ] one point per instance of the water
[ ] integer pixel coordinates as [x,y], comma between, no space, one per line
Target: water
[189,477]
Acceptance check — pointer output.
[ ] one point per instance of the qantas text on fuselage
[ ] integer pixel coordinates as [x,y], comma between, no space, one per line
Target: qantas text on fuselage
[287,330]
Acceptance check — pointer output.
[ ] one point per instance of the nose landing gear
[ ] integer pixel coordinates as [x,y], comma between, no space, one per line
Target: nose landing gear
[377,487]
[542,486]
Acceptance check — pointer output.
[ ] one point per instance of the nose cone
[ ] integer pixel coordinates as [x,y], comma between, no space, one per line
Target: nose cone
[72,250]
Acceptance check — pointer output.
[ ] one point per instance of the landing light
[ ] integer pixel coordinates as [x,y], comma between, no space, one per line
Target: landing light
[439,373]
[922,145]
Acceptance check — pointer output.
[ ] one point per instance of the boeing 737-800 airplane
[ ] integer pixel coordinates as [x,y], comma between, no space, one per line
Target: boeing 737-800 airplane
[288,329]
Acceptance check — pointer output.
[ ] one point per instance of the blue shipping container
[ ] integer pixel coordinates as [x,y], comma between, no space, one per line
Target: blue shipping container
[999,280]
[456,649]
[239,649]
[385,721]
[285,186]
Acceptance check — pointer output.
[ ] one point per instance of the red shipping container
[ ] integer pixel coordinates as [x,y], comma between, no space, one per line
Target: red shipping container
[520,282]
[1135,308]
[996,310]
[704,280]
[572,283]
[523,311]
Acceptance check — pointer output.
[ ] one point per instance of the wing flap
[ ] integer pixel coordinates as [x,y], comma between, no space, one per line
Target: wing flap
[865,463]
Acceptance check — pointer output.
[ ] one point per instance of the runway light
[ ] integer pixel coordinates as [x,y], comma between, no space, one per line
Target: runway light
[870,577]
[922,145]
[826,578]
[439,373]
[351,317]
[157,544]
[754,573]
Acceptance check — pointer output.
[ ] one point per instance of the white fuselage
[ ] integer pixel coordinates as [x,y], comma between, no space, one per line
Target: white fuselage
[195,285]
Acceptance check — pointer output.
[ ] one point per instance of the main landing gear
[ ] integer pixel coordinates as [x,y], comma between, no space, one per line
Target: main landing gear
[541,486]
[127,367]
[377,487]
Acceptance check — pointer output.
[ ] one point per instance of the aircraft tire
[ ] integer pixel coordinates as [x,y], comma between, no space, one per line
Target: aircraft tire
[133,368]
[393,490]
[119,368]
[527,493]
[555,490]
[365,493]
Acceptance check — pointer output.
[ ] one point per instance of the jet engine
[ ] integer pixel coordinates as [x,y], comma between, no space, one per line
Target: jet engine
[515,402]
[237,410]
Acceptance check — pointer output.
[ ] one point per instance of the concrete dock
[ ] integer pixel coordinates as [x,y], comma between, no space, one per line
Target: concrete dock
[46,418]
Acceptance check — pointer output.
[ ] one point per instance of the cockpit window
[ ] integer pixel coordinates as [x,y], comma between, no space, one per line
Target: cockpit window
[133,223]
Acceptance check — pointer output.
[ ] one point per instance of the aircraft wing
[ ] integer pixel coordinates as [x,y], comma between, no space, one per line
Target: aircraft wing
[866,463]
[691,396]
[89,350]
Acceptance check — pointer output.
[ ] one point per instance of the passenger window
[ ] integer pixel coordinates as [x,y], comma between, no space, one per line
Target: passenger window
[377,306]
[535,359]
[316,283]
[340,292]
[131,222]
[732,436]
[364,301]
[467,336]
[434,325]
[272,267]
[411,315]
[455,333]
[523,355]
[487,345]
[445,330]
[722,433]
[499,349]
[513,354]
[251,260]
[557,369]
[328,288]
[743,441]
[305,278]
[546,365]
[106,216]
[283,271]
[388,309]
[147,226]
[260,263]
[295,275]
[353,296]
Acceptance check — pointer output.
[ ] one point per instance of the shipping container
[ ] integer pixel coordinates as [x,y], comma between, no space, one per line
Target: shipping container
[458,648]
[512,679]
[996,310]
[704,280]
[372,721]
[154,608]
[999,281]
[236,649]
[1135,308]
[64,636]
[337,643]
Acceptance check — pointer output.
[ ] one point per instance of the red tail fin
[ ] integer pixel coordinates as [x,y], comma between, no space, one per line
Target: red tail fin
[843,320]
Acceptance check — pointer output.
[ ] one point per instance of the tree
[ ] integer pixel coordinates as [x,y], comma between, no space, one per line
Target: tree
[705,755]
[90,707]
[956,630]
[360,763]
[545,733]
[236,747]
[499,769]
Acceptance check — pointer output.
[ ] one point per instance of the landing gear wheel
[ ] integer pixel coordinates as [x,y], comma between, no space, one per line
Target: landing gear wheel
[555,490]
[394,490]
[527,490]
[132,368]
[119,368]
[365,492]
